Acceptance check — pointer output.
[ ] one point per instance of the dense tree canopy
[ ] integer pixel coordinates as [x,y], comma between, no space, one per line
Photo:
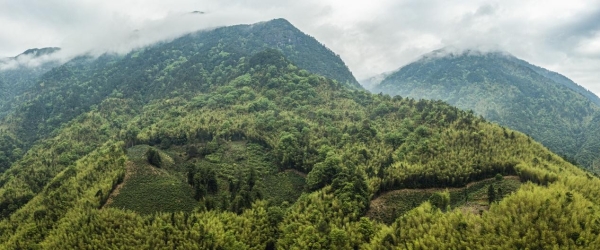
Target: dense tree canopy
[257,153]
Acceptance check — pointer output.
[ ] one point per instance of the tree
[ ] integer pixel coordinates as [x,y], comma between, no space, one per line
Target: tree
[499,177]
[154,158]
[491,193]
[324,172]
[440,200]
[288,151]
[499,194]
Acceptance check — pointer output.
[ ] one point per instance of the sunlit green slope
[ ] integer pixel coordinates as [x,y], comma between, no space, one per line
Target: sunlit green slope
[261,154]
[350,144]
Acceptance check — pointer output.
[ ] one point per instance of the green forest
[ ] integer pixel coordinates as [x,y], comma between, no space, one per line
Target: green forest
[511,92]
[202,143]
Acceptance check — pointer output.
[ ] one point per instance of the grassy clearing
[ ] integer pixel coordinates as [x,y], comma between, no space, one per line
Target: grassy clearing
[149,189]
[283,186]
[473,198]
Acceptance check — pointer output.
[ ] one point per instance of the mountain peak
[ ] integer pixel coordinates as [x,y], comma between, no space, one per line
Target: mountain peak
[280,21]
[298,46]
[35,52]
[451,51]
[507,90]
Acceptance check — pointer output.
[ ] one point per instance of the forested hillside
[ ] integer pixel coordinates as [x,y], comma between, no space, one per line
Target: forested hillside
[15,80]
[17,76]
[175,68]
[259,153]
[544,104]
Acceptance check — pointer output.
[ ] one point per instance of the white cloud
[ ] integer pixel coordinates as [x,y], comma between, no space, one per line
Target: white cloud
[372,37]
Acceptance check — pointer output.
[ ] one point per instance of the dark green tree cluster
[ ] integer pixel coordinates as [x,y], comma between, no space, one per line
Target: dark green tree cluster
[203,179]
[19,77]
[153,157]
[10,150]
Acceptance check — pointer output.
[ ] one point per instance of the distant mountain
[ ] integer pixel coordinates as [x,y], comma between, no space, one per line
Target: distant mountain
[35,52]
[372,82]
[504,89]
[16,75]
[556,77]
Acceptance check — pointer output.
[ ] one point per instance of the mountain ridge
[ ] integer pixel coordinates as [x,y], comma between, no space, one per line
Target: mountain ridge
[506,90]
[212,141]
[269,116]
[552,75]
[19,76]
[240,41]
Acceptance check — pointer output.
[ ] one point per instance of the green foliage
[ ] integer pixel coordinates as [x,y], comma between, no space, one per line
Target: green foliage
[282,187]
[85,185]
[440,200]
[323,173]
[10,150]
[546,105]
[153,157]
[206,230]
[15,81]
[148,190]
[499,177]
[240,131]
[203,179]
[534,217]
[319,221]
[491,193]
[393,204]
[177,68]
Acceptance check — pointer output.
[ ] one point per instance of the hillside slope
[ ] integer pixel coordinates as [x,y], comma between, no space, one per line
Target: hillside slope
[17,76]
[350,144]
[216,151]
[509,91]
[166,69]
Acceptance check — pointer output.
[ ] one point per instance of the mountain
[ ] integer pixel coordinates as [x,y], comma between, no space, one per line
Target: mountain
[35,52]
[509,91]
[53,100]
[16,75]
[372,82]
[303,50]
[556,77]
[179,145]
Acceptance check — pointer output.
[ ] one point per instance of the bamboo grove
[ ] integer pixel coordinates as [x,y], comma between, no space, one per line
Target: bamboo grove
[261,154]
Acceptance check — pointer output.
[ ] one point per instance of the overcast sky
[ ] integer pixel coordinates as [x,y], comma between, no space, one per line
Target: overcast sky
[371,36]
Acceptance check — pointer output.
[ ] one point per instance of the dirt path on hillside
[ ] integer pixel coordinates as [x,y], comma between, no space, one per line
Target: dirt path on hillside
[295,172]
[129,165]
[379,200]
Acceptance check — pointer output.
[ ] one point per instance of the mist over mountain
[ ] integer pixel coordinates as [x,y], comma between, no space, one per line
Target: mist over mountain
[504,89]
[233,43]
[374,81]
[259,137]
[19,73]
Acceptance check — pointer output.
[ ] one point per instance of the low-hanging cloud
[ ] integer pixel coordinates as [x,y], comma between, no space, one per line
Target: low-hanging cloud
[371,37]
